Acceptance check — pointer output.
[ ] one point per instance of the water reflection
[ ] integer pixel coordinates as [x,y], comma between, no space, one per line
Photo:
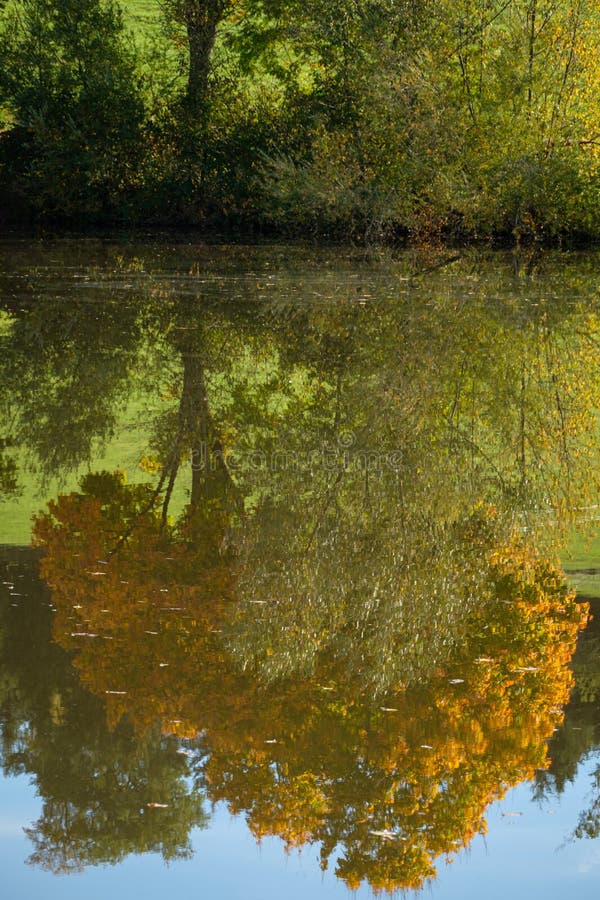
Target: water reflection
[334,601]
[97,784]
[388,786]
[580,736]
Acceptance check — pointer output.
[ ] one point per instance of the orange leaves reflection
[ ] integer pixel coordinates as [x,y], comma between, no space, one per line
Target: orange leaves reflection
[385,786]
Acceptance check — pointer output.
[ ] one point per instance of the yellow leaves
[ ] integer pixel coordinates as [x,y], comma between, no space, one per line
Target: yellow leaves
[292,811]
[150,465]
[311,758]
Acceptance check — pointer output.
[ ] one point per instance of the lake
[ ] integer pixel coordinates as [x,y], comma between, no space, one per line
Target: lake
[299,571]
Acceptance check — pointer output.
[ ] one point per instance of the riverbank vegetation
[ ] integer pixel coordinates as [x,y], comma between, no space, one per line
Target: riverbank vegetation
[378,118]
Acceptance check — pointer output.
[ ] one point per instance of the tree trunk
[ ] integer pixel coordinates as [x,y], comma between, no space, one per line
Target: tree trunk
[201,19]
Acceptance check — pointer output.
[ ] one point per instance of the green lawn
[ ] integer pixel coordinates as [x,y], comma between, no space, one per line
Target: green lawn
[582,563]
[141,14]
[141,8]
[123,451]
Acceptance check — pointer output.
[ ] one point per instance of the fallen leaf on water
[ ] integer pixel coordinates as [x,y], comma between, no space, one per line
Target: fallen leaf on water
[386,833]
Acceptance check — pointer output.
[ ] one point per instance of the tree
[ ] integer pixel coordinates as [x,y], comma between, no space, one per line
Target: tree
[66,77]
[200,19]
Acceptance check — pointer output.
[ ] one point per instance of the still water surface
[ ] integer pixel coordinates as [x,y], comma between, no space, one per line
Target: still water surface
[282,609]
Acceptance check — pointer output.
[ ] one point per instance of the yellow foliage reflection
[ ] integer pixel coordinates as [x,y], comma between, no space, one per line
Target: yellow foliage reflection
[386,786]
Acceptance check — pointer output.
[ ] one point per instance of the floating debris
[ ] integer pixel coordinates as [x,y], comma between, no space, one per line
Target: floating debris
[119,693]
[387,834]
[157,805]
[456,681]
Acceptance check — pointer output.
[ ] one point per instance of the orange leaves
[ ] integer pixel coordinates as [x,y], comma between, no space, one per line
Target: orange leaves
[396,783]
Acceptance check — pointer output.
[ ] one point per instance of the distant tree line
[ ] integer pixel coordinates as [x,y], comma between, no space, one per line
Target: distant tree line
[378,118]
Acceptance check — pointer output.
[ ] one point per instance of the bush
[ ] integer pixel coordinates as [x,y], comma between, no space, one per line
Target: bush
[66,79]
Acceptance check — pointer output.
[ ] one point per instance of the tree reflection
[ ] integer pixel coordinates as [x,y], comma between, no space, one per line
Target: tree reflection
[65,367]
[121,794]
[394,783]
[134,593]
[579,737]
[339,588]
[98,786]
